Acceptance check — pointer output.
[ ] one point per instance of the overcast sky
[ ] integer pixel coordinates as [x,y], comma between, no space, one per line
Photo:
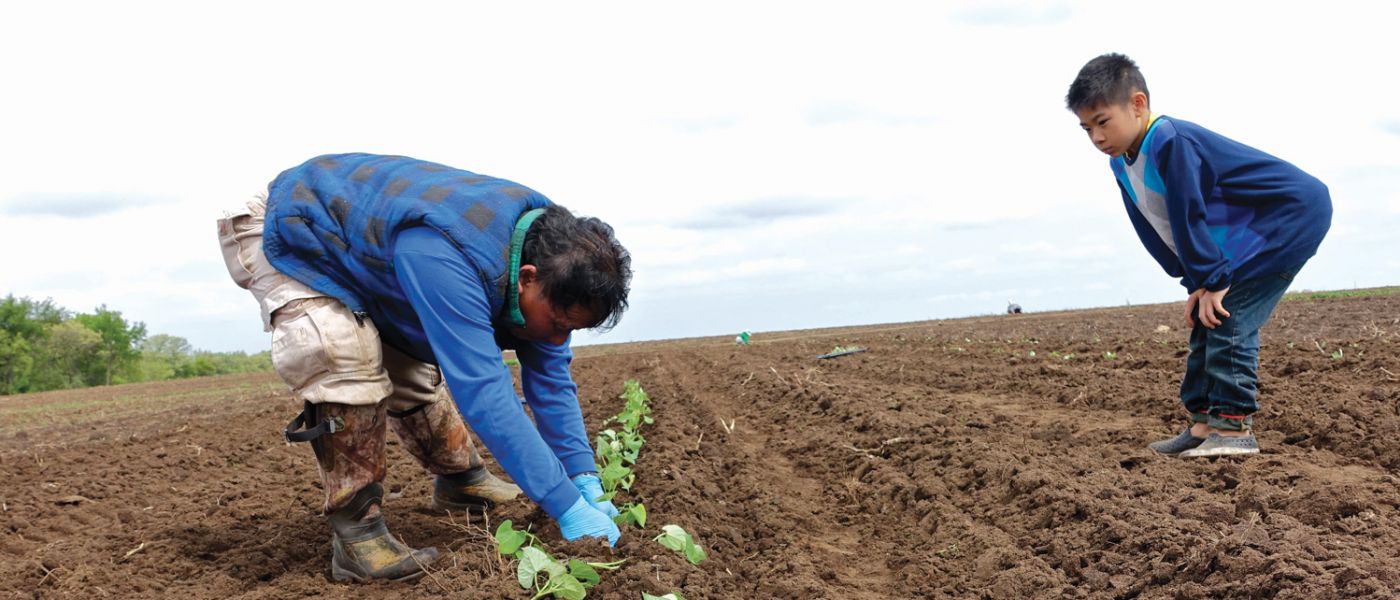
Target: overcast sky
[769,165]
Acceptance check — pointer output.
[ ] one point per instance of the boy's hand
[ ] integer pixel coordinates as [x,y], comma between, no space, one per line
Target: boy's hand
[1191,302]
[1210,307]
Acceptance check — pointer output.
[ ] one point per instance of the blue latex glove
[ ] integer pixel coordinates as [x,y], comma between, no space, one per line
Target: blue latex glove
[591,487]
[582,520]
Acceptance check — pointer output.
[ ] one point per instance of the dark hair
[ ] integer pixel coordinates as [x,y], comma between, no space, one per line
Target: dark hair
[1108,79]
[579,262]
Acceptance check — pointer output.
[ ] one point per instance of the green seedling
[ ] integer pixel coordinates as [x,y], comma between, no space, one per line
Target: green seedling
[510,540]
[670,596]
[560,581]
[676,538]
[1110,355]
[618,451]
[587,572]
[635,411]
[615,453]
[557,583]
[948,552]
[632,514]
[1338,355]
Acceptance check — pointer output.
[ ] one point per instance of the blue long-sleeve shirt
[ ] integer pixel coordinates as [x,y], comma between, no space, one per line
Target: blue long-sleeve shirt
[452,323]
[1213,211]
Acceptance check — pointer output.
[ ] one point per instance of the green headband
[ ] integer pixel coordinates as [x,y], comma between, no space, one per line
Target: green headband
[517,242]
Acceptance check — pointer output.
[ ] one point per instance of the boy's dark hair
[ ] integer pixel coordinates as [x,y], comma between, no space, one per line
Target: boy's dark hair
[579,262]
[1108,79]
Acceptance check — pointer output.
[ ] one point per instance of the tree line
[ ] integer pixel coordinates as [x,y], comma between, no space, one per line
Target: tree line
[46,347]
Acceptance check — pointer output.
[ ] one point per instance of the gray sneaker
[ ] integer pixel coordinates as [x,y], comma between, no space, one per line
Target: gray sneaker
[1178,444]
[1224,445]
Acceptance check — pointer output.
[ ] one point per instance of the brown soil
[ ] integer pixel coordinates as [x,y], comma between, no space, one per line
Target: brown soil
[946,462]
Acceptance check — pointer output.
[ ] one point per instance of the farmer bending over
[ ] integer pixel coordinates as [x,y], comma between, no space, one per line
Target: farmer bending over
[390,286]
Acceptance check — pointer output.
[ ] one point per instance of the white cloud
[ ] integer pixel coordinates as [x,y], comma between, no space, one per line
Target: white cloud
[762,161]
[1020,13]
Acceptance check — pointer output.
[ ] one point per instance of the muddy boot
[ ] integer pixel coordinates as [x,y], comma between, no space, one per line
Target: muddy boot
[350,455]
[472,491]
[435,435]
[362,547]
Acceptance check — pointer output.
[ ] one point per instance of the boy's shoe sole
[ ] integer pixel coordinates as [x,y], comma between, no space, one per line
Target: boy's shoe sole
[1175,446]
[1224,445]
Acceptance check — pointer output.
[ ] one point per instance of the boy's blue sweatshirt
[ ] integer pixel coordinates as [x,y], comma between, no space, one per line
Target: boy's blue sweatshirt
[1213,211]
[421,250]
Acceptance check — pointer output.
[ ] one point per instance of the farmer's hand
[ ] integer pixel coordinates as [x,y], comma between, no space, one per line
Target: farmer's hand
[1210,308]
[582,520]
[591,487]
[1191,302]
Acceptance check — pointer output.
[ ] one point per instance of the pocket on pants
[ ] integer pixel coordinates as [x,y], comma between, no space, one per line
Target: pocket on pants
[318,338]
[232,247]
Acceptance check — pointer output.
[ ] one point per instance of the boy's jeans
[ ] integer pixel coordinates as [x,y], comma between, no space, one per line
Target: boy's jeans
[1221,386]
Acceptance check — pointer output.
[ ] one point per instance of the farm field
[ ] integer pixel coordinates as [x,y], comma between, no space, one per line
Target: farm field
[992,457]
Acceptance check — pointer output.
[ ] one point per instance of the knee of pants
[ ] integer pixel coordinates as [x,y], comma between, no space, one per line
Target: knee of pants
[415,382]
[325,355]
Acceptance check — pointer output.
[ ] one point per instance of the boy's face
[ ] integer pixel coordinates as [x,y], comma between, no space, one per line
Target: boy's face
[545,322]
[1116,129]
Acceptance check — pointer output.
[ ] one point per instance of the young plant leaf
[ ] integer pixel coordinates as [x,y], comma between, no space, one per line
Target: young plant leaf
[568,588]
[562,586]
[694,553]
[676,538]
[670,596]
[584,573]
[632,514]
[508,539]
[532,562]
[614,472]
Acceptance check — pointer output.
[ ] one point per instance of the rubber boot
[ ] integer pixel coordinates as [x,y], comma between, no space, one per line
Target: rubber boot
[362,547]
[473,491]
[435,435]
[352,465]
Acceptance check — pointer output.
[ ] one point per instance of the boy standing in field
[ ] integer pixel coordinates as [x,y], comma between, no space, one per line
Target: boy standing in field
[1235,224]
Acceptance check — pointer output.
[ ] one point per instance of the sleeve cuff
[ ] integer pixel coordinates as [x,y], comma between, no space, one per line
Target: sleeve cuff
[578,464]
[560,498]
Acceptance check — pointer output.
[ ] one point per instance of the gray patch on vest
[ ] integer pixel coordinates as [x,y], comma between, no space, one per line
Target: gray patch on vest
[362,174]
[474,179]
[374,232]
[396,187]
[515,192]
[480,216]
[327,163]
[301,192]
[436,193]
[432,167]
[340,209]
[295,220]
[335,241]
[374,263]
